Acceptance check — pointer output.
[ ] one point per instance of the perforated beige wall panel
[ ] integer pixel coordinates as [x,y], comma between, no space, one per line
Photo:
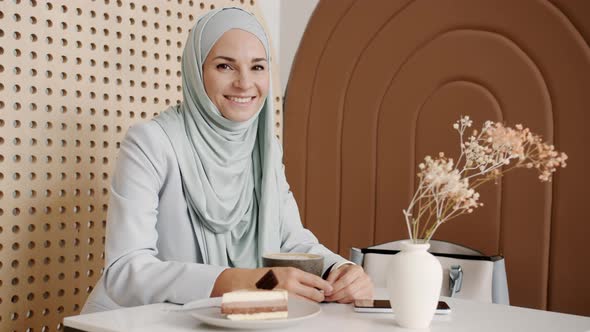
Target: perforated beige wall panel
[74,75]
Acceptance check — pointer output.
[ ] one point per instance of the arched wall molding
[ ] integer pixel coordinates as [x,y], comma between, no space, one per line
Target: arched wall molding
[353,138]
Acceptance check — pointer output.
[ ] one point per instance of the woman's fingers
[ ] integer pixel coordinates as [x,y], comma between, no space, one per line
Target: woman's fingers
[308,292]
[347,276]
[335,274]
[361,289]
[315,281]
[344,285]
[345,292]
[351,283]
[302,283]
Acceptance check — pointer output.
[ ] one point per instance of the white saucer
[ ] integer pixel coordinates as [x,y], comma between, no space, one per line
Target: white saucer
[299,310]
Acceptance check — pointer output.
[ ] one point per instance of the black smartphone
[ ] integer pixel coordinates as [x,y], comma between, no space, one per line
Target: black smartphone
[384,306]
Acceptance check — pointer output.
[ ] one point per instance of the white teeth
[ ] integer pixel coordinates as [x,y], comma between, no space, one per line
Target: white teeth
[240,100]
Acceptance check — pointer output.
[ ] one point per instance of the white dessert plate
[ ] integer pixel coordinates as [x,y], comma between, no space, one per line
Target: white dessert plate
[299,310]
[201,303]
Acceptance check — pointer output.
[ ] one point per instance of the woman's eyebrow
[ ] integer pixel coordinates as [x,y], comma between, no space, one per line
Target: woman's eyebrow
[230,59]
[226,58]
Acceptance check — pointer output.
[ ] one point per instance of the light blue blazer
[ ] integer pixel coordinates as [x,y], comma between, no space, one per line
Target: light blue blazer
[151,250]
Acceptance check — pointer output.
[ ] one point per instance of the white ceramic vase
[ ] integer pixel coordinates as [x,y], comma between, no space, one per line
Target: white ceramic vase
[413,282]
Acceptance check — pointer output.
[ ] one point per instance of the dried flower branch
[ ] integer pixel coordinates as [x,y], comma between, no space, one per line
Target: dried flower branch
[447,189]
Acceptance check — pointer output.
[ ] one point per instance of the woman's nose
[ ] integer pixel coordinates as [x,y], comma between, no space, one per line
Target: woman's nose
[243,80]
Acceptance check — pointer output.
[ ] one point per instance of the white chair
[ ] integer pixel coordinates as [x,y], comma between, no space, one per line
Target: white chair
[467,273]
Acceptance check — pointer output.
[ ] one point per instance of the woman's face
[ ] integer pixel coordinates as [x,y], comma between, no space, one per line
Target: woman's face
[236,76]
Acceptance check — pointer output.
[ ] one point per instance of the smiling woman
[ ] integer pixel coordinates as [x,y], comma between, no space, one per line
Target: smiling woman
[235,75]
[199,194]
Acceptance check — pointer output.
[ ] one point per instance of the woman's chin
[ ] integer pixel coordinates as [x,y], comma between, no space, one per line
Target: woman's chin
[239,115]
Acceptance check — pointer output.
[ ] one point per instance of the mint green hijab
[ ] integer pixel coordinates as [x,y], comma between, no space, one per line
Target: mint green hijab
[229,169]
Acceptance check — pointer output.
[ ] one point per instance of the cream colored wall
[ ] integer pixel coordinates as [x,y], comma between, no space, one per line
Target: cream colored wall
[74,75]
[271,12]
[294,17]
[286,20]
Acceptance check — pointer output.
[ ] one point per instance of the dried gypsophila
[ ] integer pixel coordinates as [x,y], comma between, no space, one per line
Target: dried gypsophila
[447,189]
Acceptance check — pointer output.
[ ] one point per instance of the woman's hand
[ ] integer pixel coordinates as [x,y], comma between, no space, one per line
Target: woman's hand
[293,280]
[302,283]
[350,282]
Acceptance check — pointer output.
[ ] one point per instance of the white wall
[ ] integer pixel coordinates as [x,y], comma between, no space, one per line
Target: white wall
[286,21]
[271,10]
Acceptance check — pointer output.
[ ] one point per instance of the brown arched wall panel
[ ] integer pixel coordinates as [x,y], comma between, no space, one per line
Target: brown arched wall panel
[376,87]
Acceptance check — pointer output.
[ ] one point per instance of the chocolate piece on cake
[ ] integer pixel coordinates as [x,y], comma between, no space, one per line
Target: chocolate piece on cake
[255,304]
[268,281]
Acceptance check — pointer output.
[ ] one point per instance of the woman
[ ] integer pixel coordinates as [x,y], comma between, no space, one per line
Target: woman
[199,193]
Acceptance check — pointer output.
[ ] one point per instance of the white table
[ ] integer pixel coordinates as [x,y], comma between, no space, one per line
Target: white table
[466,316]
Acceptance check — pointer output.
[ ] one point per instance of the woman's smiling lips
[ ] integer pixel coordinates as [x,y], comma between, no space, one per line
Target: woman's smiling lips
[242,101]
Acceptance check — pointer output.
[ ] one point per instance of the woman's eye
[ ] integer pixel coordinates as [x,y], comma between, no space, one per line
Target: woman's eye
[223,66]
[258,67]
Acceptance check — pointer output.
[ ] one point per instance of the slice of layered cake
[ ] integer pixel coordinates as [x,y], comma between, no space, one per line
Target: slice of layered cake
[255,304]
[262,303]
